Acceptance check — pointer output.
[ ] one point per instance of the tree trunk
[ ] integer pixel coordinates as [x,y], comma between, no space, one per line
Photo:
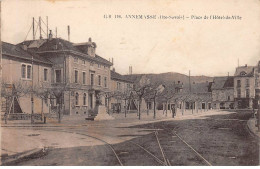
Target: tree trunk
[139,109]
[166,108]
[42,110]
[192,107]
[154,107]
[182,107]
[59,114]
[125,108]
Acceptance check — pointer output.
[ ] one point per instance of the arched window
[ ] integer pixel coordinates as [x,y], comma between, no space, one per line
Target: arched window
[76,99]
[84,99]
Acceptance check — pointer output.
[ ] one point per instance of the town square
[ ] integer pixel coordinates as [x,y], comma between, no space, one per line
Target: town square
[79,89]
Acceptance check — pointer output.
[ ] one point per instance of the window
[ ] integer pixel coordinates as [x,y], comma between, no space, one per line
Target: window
[84,77]
[76,60]
[238,83]
[105,81]
[29,71]
[92,79]
[99,66]
[247,83]
[84,99]
[76,76]
[83,62]
[23,71]
[118,86]
[45,74]
[58,76]
[247,93]
[238,93]
[99,80]
[76,99]
[228,98]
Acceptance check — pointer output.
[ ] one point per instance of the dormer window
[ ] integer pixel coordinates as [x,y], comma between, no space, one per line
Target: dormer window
[242,73]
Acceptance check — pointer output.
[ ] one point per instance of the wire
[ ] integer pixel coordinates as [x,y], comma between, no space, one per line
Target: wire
[28,32]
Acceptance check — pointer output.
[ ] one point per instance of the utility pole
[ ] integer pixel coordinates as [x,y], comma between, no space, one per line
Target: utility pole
[32,99]
[189,82]
[47,27]
[56,32]
[40,27]
[33,30]
[68,33]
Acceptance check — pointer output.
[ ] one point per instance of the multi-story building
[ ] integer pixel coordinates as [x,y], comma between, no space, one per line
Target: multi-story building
[121,89]
[223,92]
[23,71]
[79,74]
[257,84]
[244,87]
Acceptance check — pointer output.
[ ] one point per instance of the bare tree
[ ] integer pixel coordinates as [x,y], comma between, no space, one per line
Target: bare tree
[12,91]
[152,93]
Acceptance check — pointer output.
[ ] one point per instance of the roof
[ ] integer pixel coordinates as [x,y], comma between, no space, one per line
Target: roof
[229,82]
[222,82]
[117,76]
[58,44]
[248,70]
[193,97]
[16,51]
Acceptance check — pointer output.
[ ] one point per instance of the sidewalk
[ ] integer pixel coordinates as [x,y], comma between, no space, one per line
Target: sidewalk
[252,128]
[27,143]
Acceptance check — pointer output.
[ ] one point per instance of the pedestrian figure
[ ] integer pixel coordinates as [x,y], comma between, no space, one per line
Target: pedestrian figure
[173,110]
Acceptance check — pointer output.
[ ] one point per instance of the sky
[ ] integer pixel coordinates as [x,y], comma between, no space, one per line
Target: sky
[205,47]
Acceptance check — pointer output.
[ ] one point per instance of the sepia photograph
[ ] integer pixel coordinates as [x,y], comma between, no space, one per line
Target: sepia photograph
[129,83]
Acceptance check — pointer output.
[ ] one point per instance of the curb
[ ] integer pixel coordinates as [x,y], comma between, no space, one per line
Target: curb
[251,132]
[12,160]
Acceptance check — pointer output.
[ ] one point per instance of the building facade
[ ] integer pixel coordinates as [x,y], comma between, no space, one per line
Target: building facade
[24,73]
[121,89]
[257,84]
[223,92]
[76,75]
[244,87]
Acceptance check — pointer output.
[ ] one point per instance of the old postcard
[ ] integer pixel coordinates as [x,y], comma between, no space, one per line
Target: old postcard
[130,82]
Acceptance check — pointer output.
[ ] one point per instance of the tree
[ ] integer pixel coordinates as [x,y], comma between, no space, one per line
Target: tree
[167,95]
[153,92]
[12,91]
[139,91]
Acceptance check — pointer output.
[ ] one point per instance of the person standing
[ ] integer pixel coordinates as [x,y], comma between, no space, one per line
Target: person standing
[173,110]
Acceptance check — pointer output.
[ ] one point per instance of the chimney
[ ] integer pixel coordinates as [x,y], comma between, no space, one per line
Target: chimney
[114,69]
[245,65]
[50,35]
[89,39]
[112,59]
[68,33]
